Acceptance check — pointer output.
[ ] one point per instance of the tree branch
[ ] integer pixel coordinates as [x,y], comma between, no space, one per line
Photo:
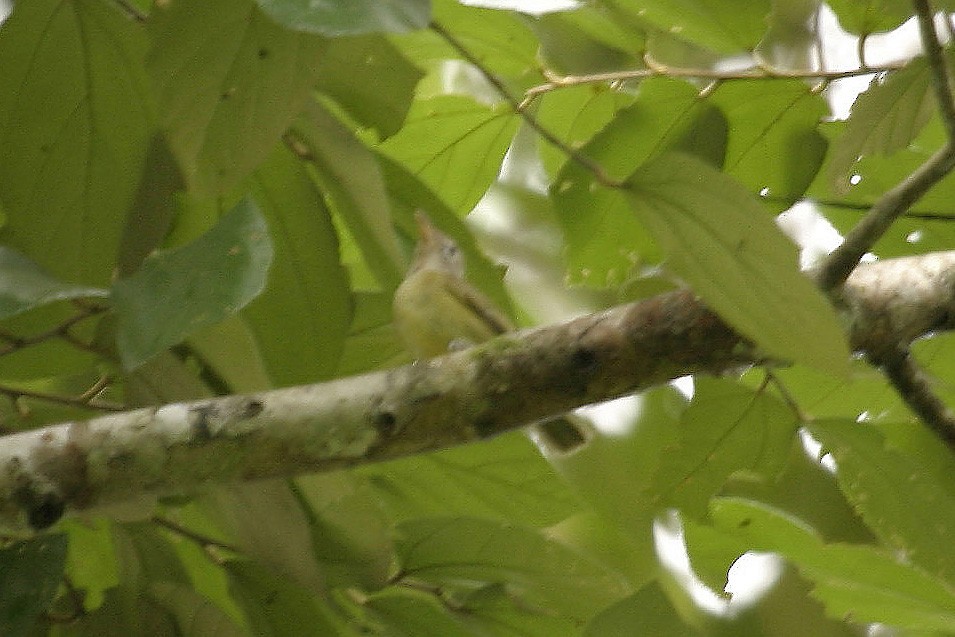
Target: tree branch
[915,388]
[897,201]
[504,384]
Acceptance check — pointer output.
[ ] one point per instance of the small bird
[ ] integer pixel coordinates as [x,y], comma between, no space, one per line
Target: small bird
[436,310]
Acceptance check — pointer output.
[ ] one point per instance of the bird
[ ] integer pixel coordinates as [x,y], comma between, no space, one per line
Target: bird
[436,310]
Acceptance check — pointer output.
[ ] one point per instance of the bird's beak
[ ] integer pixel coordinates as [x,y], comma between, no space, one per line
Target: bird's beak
[427,233]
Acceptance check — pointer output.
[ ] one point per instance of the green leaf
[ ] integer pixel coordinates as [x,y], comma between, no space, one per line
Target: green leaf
[774,146]
[885,118]
[351,537]
[505,478]
[371,79]
[610,468]
[727,428]
[646,613]
[900,500]
[229,81]
[861,581]
[719,239]
[870,16]
[30,572]
[604,240]
[194,614]
[576,42]
[457,551]
[725,27]
[351,178]
[575,114]
[304,341]
[371,342]
[276,606]
[181,290]
[405,611]
[91,561]
[74,114]
[349,17]
[269,522]
[455,146]
[24,285]
[499,39]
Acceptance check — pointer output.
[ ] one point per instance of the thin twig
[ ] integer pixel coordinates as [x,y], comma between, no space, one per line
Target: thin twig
[933,52]
[860,239]
[203,541]
[62,330]
[843,260]
[596,169]
[928,215]
[860,50]
[131,11]
[656,69]
[915,388]
[73,401]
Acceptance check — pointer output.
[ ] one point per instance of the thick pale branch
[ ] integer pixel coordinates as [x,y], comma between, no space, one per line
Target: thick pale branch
[504,384]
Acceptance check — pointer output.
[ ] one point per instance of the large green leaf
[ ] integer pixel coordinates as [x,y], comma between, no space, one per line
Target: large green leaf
[30,572]
[726,429]
[885,118]
[349,17]
[24,285]
[721,242]
[278,607]
[455,146]
[351,536]
[177,292]
[90,561]
[774,146]
[303,342]
[371,79]
[350,178]
[859,581]
[901,501]
[74,110]
[505,478]
[500,39]
[646,613]
[604,240]
[229,81]
[724,26]
[869,16]
[454,551]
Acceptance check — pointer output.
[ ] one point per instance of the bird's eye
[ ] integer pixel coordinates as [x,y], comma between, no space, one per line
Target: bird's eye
[451,251]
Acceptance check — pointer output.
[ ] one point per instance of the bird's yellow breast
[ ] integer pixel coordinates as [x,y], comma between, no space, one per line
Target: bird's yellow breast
[429,315]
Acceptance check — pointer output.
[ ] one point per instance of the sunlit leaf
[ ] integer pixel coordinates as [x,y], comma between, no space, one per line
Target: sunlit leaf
[604,240]
[720,241]
[454,145]
[861,581]
[884,119]
[349,17]
[900,501]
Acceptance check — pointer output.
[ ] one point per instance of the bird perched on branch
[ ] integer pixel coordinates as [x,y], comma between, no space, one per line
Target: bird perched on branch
[436,309]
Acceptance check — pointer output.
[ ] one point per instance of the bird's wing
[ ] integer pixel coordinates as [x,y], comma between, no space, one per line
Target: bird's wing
[479,304]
